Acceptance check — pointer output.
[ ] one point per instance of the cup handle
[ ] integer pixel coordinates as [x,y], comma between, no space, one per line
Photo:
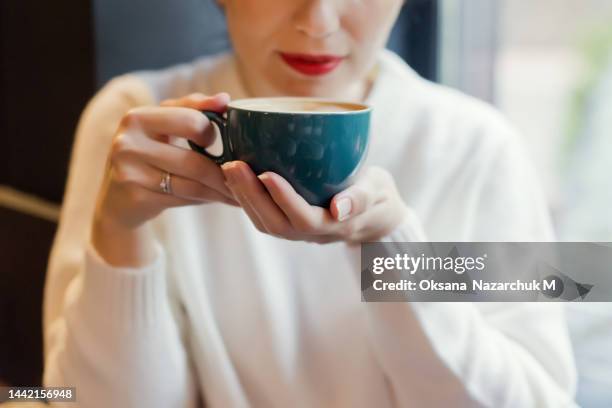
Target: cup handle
[221,122]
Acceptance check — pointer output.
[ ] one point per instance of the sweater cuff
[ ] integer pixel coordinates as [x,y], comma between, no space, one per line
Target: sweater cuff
[411,230]
[124,296]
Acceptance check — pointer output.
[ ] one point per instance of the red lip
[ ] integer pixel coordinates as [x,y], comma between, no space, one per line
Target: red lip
[312,65]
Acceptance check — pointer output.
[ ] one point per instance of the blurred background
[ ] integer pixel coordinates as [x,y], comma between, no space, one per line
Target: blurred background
[546,64]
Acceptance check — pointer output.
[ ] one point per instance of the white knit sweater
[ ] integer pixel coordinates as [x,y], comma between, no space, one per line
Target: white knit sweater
[231,317]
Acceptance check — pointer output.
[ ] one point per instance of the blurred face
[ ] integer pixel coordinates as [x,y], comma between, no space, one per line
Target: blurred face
[322,48]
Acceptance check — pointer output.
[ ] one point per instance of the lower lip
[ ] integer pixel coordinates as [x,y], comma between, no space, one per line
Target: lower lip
[311,67]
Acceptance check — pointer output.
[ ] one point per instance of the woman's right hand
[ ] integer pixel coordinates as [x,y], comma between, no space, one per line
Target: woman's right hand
[139,157]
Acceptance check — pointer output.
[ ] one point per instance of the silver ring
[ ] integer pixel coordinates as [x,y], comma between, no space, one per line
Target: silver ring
[165,183]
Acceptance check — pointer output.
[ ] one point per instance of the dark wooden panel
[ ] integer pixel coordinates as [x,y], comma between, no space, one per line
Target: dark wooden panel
[25,243]
[47,75]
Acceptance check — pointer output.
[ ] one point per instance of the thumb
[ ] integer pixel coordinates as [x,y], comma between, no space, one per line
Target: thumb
[200,101]
[350,202]
[371,188]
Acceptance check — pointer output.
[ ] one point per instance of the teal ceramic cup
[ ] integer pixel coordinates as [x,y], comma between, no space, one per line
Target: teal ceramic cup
[317,145]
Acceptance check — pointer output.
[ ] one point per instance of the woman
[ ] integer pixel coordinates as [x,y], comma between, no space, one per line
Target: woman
[229,289]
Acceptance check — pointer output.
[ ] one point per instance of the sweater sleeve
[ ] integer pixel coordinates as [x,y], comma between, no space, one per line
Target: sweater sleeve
[109,332]
[480,354]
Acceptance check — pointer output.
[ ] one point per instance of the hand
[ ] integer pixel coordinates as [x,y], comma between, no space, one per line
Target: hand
[368,210]
[139,157]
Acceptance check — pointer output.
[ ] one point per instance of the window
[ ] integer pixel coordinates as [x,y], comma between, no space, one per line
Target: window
[547,65]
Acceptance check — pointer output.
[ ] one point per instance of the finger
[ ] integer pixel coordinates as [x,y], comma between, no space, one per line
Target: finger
[356,199]
[200,101]
[173,159]
[374,224]
[303,216]
[147,198]
[250,211]
[166,200]
[241,179]
[149,177]
[156,122]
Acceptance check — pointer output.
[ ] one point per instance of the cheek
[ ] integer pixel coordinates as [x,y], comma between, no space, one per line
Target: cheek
[370,23]
[253,24]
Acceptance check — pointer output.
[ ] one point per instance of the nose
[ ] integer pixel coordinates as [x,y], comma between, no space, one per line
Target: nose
[317,18]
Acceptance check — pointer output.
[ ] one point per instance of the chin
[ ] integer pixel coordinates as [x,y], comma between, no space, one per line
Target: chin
[305,92]
[306,88]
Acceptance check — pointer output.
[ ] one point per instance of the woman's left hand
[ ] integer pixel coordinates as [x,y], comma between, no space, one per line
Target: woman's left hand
[366,211]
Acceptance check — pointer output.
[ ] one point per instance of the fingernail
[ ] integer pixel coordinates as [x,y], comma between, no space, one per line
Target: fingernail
[229,172]
[344,206]
[264,177]
[223,95]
